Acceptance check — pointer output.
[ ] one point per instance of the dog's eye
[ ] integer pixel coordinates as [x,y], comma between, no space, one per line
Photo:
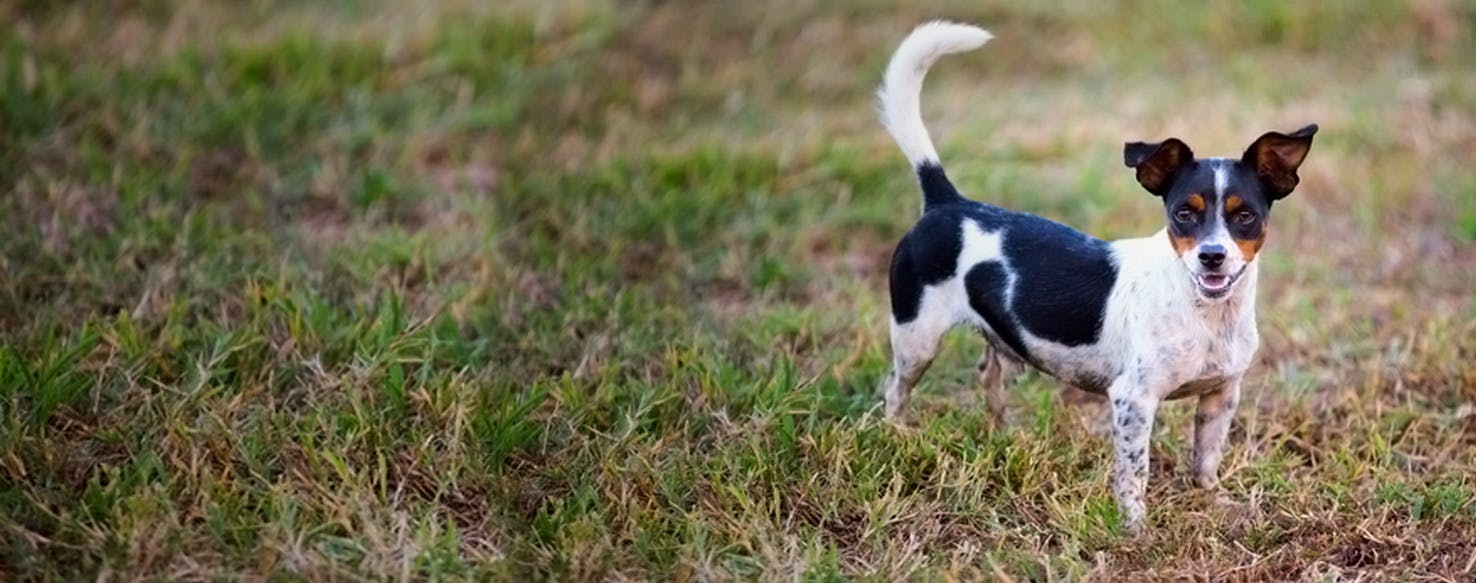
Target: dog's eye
[1184,215]
[1245,217]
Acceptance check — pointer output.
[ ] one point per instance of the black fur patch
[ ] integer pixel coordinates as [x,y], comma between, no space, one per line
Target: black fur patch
[927,255]
[937,189]
[1062,277]
[1199,179]
[986,284]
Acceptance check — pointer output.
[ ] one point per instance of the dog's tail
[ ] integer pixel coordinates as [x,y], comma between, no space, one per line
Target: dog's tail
[901,90]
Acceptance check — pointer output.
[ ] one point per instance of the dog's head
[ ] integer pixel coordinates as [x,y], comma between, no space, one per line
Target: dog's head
[1217,208]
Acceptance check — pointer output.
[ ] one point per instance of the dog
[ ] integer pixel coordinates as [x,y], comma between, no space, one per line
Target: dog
[1137,321]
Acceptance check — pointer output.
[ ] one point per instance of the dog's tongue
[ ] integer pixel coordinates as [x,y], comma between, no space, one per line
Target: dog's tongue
[1214,281]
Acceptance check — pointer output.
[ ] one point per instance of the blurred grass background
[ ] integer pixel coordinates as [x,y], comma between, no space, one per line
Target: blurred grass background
[596,289]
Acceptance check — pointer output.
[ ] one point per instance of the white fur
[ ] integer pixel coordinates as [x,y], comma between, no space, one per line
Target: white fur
[1155,316]
[900,94]
[1222,176]
[978,246]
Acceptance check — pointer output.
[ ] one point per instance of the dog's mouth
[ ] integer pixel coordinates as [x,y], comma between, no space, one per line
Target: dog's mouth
[1214,285]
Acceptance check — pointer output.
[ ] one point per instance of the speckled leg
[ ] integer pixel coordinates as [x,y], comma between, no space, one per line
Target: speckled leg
[1133,410]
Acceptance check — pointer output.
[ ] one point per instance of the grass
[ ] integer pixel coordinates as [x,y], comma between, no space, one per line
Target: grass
[596,290]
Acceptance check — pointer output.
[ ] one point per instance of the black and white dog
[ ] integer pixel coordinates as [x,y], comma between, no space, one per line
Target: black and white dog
[1167,316]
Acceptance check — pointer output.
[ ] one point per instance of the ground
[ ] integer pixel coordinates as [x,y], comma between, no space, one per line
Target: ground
[597,290]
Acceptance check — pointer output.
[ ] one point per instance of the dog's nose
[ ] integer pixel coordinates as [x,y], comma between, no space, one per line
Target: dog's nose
[1212,256]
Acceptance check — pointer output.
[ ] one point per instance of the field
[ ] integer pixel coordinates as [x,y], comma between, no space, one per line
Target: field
[597,290]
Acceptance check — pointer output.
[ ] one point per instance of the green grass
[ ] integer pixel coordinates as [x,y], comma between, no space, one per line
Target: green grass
[596,290]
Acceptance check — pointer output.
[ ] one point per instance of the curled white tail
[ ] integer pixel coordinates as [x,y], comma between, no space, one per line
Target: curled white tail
[901,90]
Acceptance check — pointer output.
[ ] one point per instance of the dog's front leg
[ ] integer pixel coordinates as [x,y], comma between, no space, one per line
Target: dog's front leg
[1133,408]
[1211,425]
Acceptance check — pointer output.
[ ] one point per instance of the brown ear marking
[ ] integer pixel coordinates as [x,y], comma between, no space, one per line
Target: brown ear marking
[1156,164]
[1275,158]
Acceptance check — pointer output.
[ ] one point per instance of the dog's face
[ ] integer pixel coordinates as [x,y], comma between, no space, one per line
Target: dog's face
[1217,208]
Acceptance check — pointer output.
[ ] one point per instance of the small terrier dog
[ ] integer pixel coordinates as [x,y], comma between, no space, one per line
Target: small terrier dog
[1138,321]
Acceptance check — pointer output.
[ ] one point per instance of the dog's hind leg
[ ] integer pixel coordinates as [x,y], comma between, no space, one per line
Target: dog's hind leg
[1090,408]
[914,345]
[992,376]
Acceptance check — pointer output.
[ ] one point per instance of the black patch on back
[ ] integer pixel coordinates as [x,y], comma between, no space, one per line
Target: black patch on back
[987,283]
[1063,278]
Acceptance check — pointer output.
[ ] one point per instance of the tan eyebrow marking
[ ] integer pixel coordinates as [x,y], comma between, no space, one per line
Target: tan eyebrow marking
[1195,202]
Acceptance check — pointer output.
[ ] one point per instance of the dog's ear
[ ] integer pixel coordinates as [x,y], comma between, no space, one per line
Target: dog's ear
[1157,163]
[1275,157]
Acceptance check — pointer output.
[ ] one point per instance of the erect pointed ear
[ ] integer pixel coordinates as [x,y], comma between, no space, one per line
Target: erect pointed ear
[1157,163]
[1275,157]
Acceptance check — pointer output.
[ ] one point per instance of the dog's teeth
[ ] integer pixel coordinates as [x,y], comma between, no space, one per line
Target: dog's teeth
[1214,282]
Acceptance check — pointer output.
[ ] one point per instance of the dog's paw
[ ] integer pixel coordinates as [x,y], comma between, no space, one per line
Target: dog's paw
[1134,526]
[1134,516]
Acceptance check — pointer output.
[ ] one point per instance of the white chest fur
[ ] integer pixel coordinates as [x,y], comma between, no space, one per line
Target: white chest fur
[1163,333]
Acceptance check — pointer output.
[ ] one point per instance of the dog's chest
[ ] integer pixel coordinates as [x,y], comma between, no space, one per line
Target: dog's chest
[1208,353]
[1171,342]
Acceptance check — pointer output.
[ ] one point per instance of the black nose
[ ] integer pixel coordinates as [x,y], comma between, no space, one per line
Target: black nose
[1212,256]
